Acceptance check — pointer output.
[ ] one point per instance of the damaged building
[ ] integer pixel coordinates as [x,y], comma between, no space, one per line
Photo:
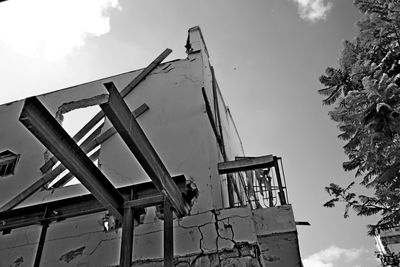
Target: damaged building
[145,168]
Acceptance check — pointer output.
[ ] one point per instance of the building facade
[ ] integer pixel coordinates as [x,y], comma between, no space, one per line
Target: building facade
[388,247]
[237,208]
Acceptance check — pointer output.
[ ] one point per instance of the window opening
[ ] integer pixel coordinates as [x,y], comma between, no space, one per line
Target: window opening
[8,161]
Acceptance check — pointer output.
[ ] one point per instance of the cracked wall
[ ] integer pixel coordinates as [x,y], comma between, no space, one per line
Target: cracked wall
[211,235]
[277,236]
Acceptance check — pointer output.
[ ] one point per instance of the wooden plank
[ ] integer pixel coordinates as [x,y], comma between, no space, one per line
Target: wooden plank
[145,72]
[30,190]
[38,120]
[217,113]
[92,136]
[168,235]
[79,205]
[78,136]
[245,164]
[210,117]
[120,116]
[127,238]
[69,176]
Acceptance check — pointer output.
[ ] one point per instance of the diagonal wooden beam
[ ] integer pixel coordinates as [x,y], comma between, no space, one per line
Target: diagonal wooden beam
[38,120]
[95,141]
[48,177]
[69,176]
[135,82]
[120,116]
[211,118]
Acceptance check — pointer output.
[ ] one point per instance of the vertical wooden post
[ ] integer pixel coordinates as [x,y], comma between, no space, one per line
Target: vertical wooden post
[42,239]
[281,193]
[127,238]
[231,197]
[168,235]
[269,189]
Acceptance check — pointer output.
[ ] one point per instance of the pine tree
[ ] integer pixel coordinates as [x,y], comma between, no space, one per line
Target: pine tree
[365,95]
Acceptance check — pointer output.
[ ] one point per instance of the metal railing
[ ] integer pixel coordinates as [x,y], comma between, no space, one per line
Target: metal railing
[261,188]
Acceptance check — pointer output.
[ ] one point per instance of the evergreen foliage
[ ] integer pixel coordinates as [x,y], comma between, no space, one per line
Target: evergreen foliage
[365,95]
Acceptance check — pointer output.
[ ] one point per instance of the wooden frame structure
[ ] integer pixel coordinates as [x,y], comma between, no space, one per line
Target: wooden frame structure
[252,163]
[123,203]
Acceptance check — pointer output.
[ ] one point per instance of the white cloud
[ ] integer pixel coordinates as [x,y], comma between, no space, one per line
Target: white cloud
[328,257]
[51,29]
[313,10]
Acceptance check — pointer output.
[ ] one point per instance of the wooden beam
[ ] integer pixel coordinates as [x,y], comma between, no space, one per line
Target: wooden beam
[211,119]
[246,164]
[39,250]
[217,113]
[92,141]
[138,79]
[82,205]
[92,136]
[42,239]
[48,177]
[231,197]
[281,193]
[125,259]
[69,176]
[38,120]
[168,235]
[302,223]
[145,202]
[120,116]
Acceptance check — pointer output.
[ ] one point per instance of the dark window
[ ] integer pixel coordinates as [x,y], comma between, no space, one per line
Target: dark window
[8,161]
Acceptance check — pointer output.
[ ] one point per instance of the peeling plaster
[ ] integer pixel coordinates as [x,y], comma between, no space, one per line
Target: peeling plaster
[18,262]
[82,103]
[71,255]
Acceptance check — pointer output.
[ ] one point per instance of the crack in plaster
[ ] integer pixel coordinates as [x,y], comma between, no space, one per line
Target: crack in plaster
[98,245]
[116,172]
[243,254]
[215,220]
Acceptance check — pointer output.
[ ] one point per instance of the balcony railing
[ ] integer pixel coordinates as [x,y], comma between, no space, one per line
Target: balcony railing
[257,181]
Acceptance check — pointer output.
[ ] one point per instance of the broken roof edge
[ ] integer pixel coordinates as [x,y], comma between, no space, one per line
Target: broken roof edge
[189,42]
[88,82]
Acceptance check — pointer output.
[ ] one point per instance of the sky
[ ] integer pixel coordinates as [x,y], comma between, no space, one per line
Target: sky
[267,55]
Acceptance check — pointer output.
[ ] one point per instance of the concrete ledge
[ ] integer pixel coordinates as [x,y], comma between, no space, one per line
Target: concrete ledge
[280,249]
[274,220]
